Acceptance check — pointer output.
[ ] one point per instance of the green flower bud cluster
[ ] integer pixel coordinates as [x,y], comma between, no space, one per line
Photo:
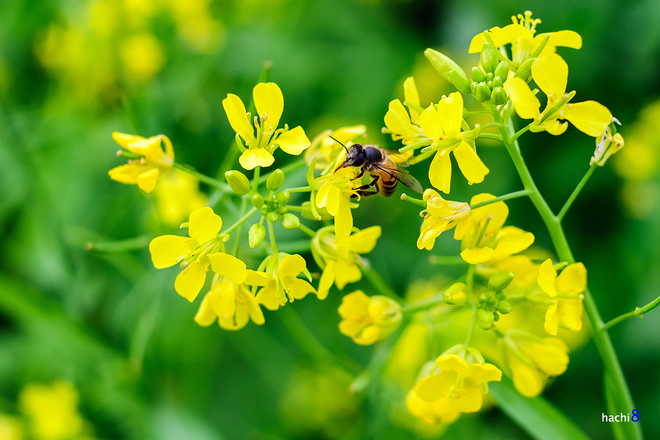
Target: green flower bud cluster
[488,80]
[492,302]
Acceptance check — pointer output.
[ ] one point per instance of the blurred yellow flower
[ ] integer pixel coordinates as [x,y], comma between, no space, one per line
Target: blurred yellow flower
[440,215]
[442,125]
[566,292]
[550,73]
[177,195]
[52,411]
[437,411]
[143,55]
[10,428]
[482,233]
[463,384]
[339,257]
[150,163]
[524,42]
[269,102]
[532,360]
[368,319]
[283,284]
[192,253]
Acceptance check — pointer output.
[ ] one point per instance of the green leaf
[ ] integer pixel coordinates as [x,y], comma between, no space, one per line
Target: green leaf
[538,417]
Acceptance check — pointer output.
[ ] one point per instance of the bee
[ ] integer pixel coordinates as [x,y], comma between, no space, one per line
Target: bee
[384,172]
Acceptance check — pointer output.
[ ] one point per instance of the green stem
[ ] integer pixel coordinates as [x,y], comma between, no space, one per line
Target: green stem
[299,189]
[513,195]
[600,336]
[240,221]
[495,137]
[413,200]
[473,320]
[203,177]
[575,192]
[120,245]
[255,180]
[271,234]
[307,231]
[377,281]
[423,305]
[447,261]
[520,132]
[286,169]
[639,311]
[237,247]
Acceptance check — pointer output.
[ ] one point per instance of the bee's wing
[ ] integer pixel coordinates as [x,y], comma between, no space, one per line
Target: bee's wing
[402,176]
[401,159]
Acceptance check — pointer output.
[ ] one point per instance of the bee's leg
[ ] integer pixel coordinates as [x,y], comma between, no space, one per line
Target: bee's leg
[368,185]
[360,175]
[364,193]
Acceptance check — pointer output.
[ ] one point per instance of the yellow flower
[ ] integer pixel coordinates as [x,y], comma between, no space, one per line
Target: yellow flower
[550,73]
[482,233]
[177,195]
[440,215]
[192,253]
[566,291]
[269,102]
[283,271]
[438,411]
[326,150]
[52,410]
[402,123]
[462,383]
[368,319]
[231,303]
[532,360]
[339,257]
[10,428]
[335,196]
[150,163]
[442,125]
[523,42]
[143,55]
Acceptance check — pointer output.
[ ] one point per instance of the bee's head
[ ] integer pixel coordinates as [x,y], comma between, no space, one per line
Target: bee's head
[354,157]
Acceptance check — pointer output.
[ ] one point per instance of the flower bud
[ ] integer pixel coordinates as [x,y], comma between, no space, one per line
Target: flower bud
[524,71]
[478,75]
[445,65]
[455,295]
[272,216]
[283,197]
[460,81]
[485,319]
[257,201]
[290,221]
[504,307]
[489,58]
[256,235]
[238,182]
[483,93]
[500,281]
[497,82]
[502,70]
[499,96]
[275,180]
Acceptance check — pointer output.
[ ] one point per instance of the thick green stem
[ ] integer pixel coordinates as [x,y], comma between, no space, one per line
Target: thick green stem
[575,192]
[620,391]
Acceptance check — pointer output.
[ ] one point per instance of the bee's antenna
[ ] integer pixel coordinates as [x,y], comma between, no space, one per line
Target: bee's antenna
[339,143]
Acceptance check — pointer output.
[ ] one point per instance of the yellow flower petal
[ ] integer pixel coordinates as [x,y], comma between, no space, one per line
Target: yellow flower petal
[482,373]
[256,315]
[450,113]
[369,335]
[528,381]
[397,118]
[513,240]
[291,265]
[167,250]
[254,278]
[269,101]
[191,280]
[524,101]
[346,273]
[434,387]
[364,241]
[294,141]
[411,95]
[477,255]
[298,289]
[590,117]
[547,277]
[204,224]
[430,122]
[570,313]
[551,324]
[237,116]
[440,171]
[555,127]
[268,296]
[326,281]
[551,359]
[470,401]
[562,38]
[470,163]
[572,280]
[124,140]
[451,362]
[146,181]
[343,219]
[258,157]
[229,267]
[205,315]
[128,173]
[550,73]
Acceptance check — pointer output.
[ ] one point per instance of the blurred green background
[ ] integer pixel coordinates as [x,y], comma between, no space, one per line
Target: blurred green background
[72,72]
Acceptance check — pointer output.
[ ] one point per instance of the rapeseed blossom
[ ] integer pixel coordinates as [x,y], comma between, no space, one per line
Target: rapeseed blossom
[368,319]
[440,215]
[232,304]
[283,284]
